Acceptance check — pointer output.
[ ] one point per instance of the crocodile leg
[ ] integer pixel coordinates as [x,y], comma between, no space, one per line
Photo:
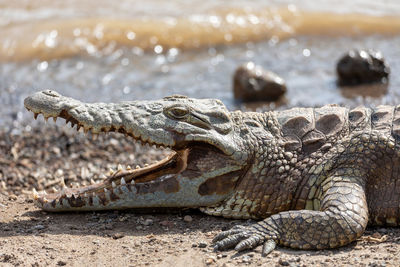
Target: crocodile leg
[341,219]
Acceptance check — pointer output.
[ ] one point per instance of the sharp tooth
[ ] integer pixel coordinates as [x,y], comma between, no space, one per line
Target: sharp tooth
[137,167]
[128,167]
[54,189]
[146,165]
[43,192]
[35,115]
[110,171]
[92,181]
[85,194]
[132,182]
[113,184]
[45,200]
[103,176]
[105,190]
[63,183]
[123,181]
[62,192]
[119,167]
[35,194]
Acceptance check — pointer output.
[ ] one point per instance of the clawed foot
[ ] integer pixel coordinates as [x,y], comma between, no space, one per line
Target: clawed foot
[242,238]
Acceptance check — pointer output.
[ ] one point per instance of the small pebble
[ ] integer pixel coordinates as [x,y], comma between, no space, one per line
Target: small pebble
[165,223]
[117,236]
[210,261]
[188,218]
[148,222]
[39,227]
[246,259]
[376,235]
[283,262]
[61,263]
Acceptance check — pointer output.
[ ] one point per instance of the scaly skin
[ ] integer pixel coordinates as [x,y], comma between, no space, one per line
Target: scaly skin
[313,177]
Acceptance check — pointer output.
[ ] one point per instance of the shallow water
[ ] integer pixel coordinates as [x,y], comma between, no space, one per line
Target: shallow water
[111,52]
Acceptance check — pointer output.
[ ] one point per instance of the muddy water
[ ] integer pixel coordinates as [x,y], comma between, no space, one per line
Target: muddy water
[101,51]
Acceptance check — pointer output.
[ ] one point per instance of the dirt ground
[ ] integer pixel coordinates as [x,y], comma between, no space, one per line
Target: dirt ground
[40,157]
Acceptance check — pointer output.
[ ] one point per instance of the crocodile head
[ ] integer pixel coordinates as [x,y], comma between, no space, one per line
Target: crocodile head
[204,168]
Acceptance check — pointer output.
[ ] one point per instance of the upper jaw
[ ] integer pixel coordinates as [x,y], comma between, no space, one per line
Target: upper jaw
[133,118]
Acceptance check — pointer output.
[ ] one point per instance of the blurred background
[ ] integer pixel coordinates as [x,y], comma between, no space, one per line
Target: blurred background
[132,50]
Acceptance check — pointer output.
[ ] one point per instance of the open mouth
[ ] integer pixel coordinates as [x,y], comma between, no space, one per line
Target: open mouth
[124,179]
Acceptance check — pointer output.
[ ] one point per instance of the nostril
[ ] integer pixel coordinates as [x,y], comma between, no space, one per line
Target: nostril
[50,93]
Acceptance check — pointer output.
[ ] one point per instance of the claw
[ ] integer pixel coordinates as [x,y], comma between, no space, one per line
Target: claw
[268,247]
[251,242]
[225,234]
[230,241]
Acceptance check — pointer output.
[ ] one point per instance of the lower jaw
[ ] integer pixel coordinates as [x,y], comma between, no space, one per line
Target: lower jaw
[119,189]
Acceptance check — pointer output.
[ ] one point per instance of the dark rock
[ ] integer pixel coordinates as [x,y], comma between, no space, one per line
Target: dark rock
[202,245]
[283,262]
[361,66]
[253,83]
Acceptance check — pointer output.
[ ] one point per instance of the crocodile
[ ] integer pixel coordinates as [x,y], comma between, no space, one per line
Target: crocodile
[312,178]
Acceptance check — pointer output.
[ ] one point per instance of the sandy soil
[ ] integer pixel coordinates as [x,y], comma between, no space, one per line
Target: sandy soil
[31,237]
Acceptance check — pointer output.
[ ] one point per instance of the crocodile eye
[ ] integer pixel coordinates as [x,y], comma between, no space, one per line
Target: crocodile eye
[178,112]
